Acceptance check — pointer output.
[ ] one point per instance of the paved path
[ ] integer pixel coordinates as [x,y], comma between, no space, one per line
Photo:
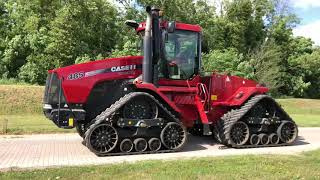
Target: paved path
[49,150]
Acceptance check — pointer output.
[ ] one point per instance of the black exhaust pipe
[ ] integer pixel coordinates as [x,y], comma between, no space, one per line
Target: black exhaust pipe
[147,49]
[151,41]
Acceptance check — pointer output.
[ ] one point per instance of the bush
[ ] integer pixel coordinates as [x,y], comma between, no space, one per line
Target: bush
[227,61]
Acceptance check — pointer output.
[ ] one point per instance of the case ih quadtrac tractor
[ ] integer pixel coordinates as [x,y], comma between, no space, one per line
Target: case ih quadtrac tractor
[149,103]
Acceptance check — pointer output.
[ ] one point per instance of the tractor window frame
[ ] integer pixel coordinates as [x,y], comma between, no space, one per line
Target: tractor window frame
[194,61]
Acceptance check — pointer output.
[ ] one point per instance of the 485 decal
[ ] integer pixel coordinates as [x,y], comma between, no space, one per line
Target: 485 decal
[76,75]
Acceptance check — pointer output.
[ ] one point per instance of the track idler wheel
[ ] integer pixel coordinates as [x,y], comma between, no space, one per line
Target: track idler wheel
[287,131]
[154,144]
[239,133]
[264,139]
[126,145]
[274,138]
[254,139]
[173,136]
[140,144]
[102,139]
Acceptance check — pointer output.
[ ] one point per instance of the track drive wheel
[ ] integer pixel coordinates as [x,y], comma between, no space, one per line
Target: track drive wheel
[140,107]
[287,131]
[173,136]
[102,139]
[239,133]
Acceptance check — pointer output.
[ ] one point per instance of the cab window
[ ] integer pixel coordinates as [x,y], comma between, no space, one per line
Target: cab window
[181,53]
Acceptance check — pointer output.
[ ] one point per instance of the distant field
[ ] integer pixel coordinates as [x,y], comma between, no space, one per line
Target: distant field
[21,105]
[304,166]
[306,112]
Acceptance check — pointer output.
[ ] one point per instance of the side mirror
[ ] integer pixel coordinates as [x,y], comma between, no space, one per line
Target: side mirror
[132,23]
[171,26]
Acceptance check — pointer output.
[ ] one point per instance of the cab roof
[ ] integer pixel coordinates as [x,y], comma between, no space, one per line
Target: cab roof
[179,25]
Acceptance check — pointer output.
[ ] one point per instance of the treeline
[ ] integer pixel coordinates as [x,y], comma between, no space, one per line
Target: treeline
[249,38]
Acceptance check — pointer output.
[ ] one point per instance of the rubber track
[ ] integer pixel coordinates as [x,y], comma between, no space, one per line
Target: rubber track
[105,116]
[228,119]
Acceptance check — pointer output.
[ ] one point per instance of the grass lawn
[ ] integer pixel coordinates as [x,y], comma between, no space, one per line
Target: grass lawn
[306,112]
[27,124]
[21,105]
[304,166]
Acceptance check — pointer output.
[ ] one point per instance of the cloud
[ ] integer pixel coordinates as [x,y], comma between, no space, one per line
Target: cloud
[311,30]
[305,4]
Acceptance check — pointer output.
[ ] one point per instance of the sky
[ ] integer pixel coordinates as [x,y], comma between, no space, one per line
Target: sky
[309,13]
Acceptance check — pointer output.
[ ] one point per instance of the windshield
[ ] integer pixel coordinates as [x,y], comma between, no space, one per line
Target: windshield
[181,51]
[180,57]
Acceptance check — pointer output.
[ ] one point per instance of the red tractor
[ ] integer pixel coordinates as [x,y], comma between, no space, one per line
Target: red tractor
[149,103]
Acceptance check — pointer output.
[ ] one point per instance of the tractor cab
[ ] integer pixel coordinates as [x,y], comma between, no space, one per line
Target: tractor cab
[175,49]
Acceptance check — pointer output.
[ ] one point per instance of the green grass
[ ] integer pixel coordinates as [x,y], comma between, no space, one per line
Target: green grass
[304,166]
[27,124]
[12,81]
[306,112]
[21,99]
[21,105]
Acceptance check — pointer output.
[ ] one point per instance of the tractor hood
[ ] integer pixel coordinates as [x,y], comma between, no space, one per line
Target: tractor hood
[98,67]
[79,79]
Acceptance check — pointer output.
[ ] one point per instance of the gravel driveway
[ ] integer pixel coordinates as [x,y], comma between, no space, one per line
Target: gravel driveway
[49,150]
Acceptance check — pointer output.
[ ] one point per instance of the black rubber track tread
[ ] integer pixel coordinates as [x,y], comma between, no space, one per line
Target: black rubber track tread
[225,123]
[254,146]
[104,117]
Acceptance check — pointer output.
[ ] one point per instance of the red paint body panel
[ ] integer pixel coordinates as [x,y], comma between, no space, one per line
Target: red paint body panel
[180,26]
[78,90]
[189,83]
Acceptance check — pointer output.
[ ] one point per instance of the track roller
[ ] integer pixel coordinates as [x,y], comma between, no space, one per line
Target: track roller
[287,131]
[140,144]
[173,136]
[154,144]
[254,139]
[126,145]
[264,139]
[274,138]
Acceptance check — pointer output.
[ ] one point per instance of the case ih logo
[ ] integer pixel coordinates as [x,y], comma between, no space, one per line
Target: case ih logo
[123,68]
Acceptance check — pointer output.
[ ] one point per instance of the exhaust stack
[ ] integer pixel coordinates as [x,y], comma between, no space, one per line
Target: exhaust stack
[147,49]
[151,43]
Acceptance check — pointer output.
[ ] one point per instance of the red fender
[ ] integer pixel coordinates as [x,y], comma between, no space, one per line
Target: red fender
[241,95]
